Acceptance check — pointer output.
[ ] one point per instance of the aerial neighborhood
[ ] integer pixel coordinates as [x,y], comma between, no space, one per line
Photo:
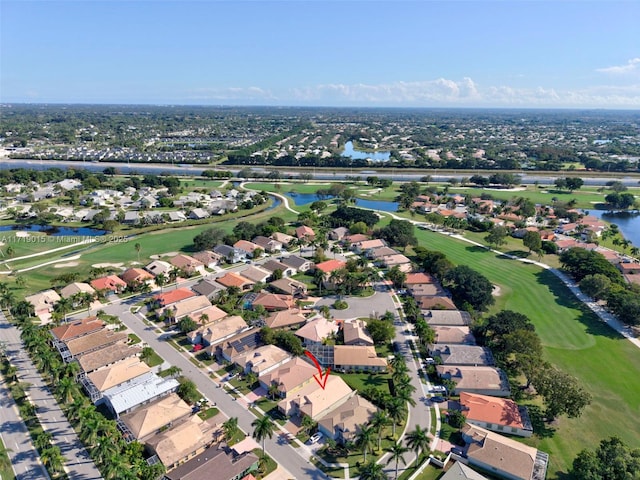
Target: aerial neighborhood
[253,320]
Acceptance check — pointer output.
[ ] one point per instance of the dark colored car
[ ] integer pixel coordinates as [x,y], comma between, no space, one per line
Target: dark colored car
[438,399]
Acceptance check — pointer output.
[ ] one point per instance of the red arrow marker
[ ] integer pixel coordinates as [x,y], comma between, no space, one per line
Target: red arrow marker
[322,381]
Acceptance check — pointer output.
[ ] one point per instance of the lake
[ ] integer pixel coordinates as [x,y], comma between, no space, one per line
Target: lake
[628,223]
[306,198]
[349,151]
[55,231]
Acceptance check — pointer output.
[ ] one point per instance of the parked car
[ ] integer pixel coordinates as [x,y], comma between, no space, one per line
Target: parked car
[315,438]
[197,347]
[429,361]
[457,451]
[438,399]
[439,389]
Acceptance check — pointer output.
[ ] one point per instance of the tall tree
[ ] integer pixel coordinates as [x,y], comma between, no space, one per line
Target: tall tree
[397,451]
[418,440]
[365,439]
[263,428]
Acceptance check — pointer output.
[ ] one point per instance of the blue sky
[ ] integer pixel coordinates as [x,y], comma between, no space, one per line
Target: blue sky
[575,54]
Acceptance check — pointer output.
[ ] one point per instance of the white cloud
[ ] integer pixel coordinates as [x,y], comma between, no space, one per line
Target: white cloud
[631,66]
[467,93]
[440,92]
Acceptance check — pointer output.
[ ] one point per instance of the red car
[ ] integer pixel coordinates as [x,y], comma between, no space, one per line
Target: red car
[197,347]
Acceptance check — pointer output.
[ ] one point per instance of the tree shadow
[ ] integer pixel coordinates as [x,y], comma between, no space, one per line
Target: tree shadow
[518,253]
[476,248]
[374,380]
[566,298]
[540,427]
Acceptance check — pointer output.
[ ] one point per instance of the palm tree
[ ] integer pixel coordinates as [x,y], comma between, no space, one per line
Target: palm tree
[397,452]
[161,280]
[405,395]
[396,409]
[43,440]
[21,281]
[307,424]
[71,369]
[273,391]
[174,371]
[62,307]
[204,318]
[5,462]
[138,247]
[365,439]
[373,471]
[251,378]
[74,409]
[52,458]
[418,440]
[379,420]
[399,365]
[105,450]
[116,468]
[67,389]
[230,428]
[7,298]
[263,428]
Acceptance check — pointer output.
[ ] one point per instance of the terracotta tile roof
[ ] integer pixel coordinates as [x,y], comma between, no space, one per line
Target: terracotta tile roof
[346,420]
[354,331]
[172,296]
[274,301]
[107,355]
[484,379]
[213,463]
[285,318]
[118,373]
[290,375]
[133,275]
[77,329]
[454,334]
[76,287]
[185,307]
[429,303]
[110,282]
[499,411]
[185,261]
[86,343]
[317,330]
[232,279]
[355,238]
[304,231]
[330,265]
[245,245]
[149,419]
[356,355]
[500,453]
[420,277]
[262,358]
[214,313]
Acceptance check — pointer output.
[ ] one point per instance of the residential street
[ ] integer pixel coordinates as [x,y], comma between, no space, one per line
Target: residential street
[282,452]
[15,436]
[78,463]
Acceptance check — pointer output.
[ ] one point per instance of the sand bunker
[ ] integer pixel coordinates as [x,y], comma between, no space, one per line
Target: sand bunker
[107,265]
[496,291]
[65,265]
[160,255]
[23,234]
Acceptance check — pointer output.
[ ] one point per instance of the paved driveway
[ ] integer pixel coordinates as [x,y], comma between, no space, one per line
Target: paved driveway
[376,304]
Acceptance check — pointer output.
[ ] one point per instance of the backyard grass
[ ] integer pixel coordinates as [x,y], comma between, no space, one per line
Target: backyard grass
[361,381]
[133,339]
[208,413]
[574,340]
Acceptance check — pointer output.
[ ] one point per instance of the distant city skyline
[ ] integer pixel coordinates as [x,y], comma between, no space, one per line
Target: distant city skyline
[489,54]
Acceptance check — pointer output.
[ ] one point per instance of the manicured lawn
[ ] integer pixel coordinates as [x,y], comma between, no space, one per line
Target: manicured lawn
[574,340]
[208,413]
[269,466]
[151,243]
[5,473]
[133,339]
[361,381]
[154,360]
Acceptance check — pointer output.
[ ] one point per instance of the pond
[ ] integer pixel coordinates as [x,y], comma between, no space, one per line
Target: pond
[55,231]
[349,151]
[276,203]
[306,198]
[628,223]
